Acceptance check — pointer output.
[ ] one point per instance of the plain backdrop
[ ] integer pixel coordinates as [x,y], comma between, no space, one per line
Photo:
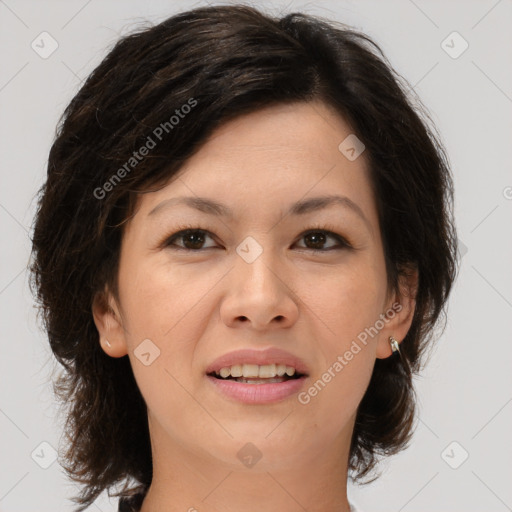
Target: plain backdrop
[460,456]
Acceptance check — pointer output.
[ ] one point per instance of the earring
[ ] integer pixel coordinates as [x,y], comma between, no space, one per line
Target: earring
[106,341]
[394,345]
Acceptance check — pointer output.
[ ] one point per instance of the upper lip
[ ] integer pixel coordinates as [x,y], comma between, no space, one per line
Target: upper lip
[260,357]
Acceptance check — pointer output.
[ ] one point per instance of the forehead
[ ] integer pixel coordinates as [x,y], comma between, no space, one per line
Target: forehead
[271,158]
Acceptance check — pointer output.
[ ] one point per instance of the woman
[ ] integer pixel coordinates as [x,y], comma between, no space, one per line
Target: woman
[253,212]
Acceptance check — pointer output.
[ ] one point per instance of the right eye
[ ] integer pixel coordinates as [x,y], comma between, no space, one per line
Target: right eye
[192,239]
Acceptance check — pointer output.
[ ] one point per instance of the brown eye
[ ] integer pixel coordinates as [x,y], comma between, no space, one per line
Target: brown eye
[316,240]
[192,239]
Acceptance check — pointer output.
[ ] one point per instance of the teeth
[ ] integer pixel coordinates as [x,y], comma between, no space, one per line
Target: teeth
[250,370]
[236,370]
[225,372]
[281,370]
[266,371]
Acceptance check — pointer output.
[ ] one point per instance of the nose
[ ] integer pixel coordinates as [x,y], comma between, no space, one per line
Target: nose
[260,296]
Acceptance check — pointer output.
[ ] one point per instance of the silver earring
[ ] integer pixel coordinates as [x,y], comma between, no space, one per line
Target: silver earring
[394,345]
[106,341]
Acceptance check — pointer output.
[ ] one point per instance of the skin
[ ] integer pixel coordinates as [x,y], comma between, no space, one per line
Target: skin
[197,306]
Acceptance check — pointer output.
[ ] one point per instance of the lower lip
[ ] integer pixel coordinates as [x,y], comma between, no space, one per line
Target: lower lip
[258,393]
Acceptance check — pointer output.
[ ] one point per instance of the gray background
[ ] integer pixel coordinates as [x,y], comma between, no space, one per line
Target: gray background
[465,393]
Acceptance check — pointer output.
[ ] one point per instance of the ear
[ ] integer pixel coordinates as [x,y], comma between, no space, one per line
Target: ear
[108,322]
[399,311]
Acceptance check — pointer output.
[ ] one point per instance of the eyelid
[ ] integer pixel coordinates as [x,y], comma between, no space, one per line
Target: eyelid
[329,230]
[179,231]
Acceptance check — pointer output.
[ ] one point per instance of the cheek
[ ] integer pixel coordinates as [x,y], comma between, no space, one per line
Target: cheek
[165,307]
[333,398]
[335,392]
[159,299]
[169,307]
[344,302]
[345,307]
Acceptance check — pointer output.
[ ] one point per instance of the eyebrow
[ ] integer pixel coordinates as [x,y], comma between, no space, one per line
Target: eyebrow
[302,207]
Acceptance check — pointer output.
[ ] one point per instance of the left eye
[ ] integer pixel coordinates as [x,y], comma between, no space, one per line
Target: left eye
[318,238]
[193,239]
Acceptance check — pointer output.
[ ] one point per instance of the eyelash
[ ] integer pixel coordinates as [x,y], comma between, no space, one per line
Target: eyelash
[189,229]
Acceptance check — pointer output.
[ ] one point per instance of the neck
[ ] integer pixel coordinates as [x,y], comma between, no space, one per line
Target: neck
[188,479]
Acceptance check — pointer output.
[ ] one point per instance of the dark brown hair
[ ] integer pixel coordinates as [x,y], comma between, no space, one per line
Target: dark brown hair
[223,62]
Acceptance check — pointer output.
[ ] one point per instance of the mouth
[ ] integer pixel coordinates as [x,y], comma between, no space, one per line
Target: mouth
[257,374]
[257,377]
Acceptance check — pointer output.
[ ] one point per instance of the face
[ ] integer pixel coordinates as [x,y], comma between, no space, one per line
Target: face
[268,269]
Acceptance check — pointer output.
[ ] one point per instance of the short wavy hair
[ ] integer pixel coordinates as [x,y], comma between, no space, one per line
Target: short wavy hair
[227,61]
